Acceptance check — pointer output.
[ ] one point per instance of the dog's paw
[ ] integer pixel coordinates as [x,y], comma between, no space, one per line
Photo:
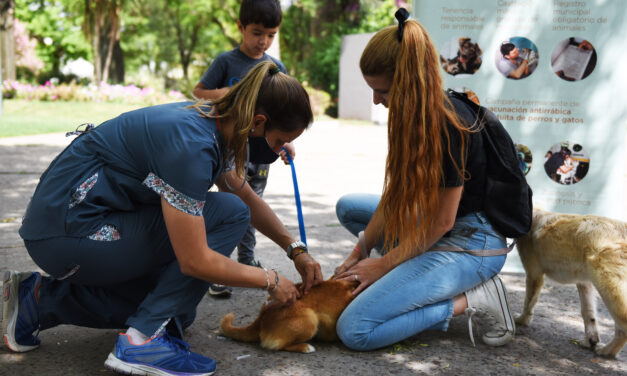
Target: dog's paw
[606,351]
[593,341]
[589,343]
[303,348]
[522,320]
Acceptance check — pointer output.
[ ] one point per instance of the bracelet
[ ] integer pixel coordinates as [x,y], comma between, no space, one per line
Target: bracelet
[358,251]
[267,279]
[276,280]
[296,252]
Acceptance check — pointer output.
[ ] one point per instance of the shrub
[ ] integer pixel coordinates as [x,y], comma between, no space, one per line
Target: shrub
[50,91]
[320,100]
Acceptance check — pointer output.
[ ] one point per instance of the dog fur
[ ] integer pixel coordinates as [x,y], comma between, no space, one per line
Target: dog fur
[584,249]
[468,59]
[313,316]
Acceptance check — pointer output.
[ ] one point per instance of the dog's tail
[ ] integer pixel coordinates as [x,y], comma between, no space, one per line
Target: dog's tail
[248,333]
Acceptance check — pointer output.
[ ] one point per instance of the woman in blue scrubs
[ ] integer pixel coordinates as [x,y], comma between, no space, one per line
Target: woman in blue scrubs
[125,225]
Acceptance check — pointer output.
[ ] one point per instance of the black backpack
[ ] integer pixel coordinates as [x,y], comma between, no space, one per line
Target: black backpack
[507,199]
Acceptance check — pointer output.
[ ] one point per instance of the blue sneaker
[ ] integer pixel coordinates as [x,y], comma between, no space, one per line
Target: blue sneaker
[162,355]
[20,314]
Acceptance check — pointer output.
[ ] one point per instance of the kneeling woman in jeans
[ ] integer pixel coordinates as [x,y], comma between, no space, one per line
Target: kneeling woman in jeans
[432,197]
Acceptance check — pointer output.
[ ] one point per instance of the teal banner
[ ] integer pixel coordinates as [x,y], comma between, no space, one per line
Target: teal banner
[551,71]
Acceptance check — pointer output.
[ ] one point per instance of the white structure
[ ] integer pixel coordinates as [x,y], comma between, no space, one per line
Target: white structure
[80,67]
[355,97]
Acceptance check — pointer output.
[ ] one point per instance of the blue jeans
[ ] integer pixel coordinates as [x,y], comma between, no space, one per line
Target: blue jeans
[136,280]
[418,294]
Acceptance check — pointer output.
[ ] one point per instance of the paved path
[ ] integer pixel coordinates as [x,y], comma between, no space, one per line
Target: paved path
[331,160]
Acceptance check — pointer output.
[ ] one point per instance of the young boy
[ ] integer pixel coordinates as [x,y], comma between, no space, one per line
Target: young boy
[259,22]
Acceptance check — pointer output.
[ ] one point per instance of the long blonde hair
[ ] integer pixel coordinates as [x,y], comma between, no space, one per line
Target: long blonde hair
[419,112]
[264,90]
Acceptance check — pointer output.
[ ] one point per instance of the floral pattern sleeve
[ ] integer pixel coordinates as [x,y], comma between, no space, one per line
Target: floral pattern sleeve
[81,192]
[175,198]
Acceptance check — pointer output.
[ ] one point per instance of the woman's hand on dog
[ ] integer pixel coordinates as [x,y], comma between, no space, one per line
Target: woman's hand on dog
[366,272]
[309,270]
[285,293]
[350,261]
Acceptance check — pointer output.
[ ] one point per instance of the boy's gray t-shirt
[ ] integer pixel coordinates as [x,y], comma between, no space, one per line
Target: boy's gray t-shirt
[230,67]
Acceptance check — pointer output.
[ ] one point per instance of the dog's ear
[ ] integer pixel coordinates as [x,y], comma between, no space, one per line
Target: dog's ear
[479,52]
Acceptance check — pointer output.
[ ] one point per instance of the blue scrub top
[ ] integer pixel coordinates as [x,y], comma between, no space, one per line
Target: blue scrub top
[132,160]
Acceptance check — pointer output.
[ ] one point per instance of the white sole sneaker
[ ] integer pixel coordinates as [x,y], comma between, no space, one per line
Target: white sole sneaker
[11,308]
[493,296]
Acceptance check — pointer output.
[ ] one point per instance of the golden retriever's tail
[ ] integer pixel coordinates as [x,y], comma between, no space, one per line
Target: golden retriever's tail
[248,333]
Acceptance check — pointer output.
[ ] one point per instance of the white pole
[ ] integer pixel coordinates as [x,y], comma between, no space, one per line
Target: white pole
[1,95]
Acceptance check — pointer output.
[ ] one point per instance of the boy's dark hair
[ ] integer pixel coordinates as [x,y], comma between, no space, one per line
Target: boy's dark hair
[506,48]
[265,12]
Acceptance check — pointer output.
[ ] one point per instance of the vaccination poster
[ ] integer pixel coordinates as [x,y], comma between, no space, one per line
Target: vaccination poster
[553,72]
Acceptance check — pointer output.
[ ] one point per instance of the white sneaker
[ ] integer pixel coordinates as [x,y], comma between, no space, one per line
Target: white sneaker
[488,302]
[221,291]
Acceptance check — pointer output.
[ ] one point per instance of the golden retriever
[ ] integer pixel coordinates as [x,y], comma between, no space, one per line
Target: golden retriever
[313,316]
[584,249]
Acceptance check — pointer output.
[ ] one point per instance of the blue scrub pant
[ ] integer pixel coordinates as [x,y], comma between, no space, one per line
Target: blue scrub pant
[135,281]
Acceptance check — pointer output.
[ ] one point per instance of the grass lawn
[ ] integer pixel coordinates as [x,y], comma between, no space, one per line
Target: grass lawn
[22,117]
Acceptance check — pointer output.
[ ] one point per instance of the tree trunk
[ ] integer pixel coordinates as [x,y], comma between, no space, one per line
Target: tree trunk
[185,53]
[7,39]
[116,72]
[114,36]
[95,39]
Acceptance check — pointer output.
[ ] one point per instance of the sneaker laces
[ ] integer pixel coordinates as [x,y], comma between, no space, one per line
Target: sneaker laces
[176,344]
[179,343]
[484,314]
[470,312]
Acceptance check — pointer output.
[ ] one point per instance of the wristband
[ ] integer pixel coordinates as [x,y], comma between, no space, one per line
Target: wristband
[296,252]
[267,279]
[294,246]
[361,255]
[276,280]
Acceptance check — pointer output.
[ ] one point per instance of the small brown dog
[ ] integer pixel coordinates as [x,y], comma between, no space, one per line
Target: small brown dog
[584,249]
[468,59]
[313,316]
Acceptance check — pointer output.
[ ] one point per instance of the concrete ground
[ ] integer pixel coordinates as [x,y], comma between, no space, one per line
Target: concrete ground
[332,159]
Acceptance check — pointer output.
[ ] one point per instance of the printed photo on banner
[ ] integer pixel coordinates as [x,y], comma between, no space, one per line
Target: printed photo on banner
[516,58]
[566,163]
[460,56]
[573,59]
[524,157]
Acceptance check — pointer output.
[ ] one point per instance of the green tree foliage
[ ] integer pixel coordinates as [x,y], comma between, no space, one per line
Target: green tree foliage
[57,31]
[179,33]
[101,25]
[311,36]
[159,34]
[166,35]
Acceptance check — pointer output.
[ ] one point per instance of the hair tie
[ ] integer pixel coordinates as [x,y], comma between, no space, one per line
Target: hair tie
[274,70]
[401,15]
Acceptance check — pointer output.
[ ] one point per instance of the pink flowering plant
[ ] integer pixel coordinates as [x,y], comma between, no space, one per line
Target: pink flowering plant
[130,94]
